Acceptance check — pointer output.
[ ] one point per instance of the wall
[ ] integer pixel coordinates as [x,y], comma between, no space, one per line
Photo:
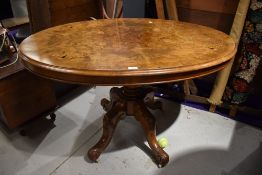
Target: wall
[134,8]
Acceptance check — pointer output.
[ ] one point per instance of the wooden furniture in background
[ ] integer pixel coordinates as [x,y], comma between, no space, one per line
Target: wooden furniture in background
[166,9]
[218,14]
[222,77]
[23,96]
[169,11]
[48,13]
[129,53]
[160,9]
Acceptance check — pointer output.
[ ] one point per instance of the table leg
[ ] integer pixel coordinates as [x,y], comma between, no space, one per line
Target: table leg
[115,111]
[153,104]
[148,122]
[130,101]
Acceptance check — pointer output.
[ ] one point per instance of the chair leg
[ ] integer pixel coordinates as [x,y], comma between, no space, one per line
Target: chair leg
[186,87]
[160,9]
[212,108]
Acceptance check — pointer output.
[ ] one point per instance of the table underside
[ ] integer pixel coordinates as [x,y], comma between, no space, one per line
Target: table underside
[130,101]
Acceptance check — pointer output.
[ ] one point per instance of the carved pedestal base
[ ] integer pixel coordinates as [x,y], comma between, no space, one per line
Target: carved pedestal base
[130,101]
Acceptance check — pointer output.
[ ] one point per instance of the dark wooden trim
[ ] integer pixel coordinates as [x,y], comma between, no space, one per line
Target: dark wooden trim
[115,80]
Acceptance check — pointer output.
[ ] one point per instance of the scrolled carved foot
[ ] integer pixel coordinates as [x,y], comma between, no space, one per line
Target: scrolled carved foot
[111,118]
[131,101]
[147,120]
[93,154]
[161,159]
[106,104]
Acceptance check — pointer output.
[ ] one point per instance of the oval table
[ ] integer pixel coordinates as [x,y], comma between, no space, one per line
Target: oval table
[132,53]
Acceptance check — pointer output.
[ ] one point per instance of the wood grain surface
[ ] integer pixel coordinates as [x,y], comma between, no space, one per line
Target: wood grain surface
[126,51]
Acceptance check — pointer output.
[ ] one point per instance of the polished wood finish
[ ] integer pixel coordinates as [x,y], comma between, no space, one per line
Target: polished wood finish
[24,96]
[129,52]
[129,101]
[20,91]
[126,51]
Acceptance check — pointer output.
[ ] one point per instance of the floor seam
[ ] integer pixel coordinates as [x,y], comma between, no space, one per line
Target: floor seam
[72,153]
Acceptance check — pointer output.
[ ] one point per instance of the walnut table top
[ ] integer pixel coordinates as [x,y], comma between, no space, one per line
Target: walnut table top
[126,51]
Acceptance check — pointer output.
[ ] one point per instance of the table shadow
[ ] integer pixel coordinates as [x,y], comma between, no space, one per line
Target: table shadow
[129,132]
[237,159]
